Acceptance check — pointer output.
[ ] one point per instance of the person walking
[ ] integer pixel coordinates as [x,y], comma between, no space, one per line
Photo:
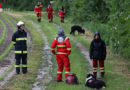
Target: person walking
[63,51]
[61,14]
[98,54]
[19,39]
[38,11]
[49,11]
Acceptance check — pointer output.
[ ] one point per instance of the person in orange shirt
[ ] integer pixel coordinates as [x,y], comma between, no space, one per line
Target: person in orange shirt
[49,11]
[62,43]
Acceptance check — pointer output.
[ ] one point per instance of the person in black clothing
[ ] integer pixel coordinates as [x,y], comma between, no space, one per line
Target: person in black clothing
[98,54]
[19,39]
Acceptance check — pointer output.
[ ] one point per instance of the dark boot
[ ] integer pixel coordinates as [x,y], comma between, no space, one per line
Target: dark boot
[102,75]
[24,70]
[40,20]
[17,70]
[95,75]
[51,20]
[63,21]
[59,81]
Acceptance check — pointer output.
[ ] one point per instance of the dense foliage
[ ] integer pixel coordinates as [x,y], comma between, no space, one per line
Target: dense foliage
[22,4]
[110,17]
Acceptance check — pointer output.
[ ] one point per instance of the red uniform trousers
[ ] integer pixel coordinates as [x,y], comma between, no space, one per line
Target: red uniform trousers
[62,17]
[50,15]
[39,14]
[95,66]
[62,61]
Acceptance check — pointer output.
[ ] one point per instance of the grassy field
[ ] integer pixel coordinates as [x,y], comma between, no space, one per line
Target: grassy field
[78,63]
[117,73]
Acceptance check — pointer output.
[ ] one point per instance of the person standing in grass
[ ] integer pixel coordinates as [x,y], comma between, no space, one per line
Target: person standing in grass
[19,39]
[63,51]
[61,14]
[38,11]
[49,11]
[98,54]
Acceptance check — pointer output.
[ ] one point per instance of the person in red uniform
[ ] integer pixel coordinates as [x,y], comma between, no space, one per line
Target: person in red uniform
[63,51]
[38,11]
[61,14]
[49,11]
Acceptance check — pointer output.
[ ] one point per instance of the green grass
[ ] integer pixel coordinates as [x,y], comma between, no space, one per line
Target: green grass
[22,82]
[78,63]
[3,32]
[10,45]
[115,80]
[112,76]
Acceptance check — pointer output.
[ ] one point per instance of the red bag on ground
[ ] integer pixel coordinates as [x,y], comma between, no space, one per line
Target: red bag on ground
[72,79]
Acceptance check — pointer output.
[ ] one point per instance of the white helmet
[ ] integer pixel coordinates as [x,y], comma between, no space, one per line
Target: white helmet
[20,23]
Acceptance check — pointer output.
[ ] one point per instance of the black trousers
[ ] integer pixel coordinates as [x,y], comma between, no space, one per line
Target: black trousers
[19,58]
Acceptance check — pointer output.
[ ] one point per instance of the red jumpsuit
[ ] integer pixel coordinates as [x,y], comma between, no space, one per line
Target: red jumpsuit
[50,13]
[38,11]
[63,50]
[61,15]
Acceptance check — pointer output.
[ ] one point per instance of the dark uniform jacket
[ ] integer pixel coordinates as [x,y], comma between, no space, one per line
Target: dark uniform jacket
[19,40]
[98,49]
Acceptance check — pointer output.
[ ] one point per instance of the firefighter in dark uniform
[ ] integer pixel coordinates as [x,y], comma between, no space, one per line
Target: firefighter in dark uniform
[19,39]
[98,54]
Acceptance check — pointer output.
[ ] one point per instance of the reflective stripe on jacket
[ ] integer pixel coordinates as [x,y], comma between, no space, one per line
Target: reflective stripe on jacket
[19,39]
[62,44]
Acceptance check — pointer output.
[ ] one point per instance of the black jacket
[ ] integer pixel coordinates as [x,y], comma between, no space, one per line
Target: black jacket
[19,40]
[98,50]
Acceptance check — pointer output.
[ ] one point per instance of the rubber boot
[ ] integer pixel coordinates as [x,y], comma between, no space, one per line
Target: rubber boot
[24,70]
[17,70]
[102,75]
[95,75]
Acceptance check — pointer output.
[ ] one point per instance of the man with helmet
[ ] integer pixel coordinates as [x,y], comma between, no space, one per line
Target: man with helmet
[19,39]
[98,54]
[38,11]
[63,50]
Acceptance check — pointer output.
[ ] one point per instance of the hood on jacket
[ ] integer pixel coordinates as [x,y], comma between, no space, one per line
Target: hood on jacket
[97,33]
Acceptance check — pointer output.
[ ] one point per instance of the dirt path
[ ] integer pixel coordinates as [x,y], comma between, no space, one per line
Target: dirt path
[44,76]
[83,50]
[7,62]
[1,29]
[7,40]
